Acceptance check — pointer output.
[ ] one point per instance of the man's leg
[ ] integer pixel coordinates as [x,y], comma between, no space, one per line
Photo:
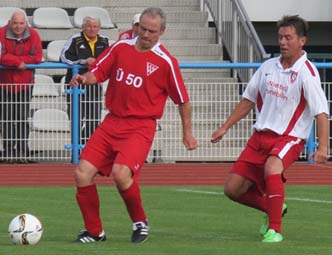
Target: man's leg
[275,193]
[131,195]
[23,113]
[245,192]
[88,201]
[275,197]
[7,120]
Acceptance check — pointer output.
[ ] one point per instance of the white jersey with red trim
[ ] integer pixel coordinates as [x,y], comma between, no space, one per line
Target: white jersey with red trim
[287,100]
[139,82]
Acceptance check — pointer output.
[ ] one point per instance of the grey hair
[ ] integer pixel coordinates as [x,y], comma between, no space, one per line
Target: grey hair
[86,19]
[156,11]
[21,12]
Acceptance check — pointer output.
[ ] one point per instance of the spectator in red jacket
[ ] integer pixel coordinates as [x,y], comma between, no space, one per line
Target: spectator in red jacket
[20,45]
[133,32]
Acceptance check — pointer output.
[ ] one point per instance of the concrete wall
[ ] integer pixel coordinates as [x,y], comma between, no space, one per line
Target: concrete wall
[272,10]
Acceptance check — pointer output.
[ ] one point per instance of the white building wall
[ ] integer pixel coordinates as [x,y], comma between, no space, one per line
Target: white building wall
[273,10]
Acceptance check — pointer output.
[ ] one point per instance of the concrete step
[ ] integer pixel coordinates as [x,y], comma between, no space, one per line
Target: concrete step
[183,18]
[103,3]
[197,50]
[139,9]
[207,74]
[126,26]
[145,3]
[189,42]
[189,33]
[63,34]
[54,3]
[186,34]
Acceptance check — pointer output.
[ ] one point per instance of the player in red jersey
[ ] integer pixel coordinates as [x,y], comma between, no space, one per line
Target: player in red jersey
[287,93]
[142,74]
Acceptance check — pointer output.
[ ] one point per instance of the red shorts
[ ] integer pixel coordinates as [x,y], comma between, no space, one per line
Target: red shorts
[125,141]
[261,145]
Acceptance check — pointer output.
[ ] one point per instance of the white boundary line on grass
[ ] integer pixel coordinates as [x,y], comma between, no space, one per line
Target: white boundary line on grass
[287,198]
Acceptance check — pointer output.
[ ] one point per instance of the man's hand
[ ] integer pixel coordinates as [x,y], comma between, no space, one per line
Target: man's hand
[22,66]
[218,134]
[77,79]
[320,156]
[89,61]
[190,142]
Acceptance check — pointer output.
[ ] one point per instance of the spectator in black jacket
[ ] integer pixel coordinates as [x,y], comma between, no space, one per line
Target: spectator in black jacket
[83,48]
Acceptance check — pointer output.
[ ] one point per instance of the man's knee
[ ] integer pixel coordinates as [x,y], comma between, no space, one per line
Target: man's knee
[231,192]
[84,174]
[122,176]
[235,186]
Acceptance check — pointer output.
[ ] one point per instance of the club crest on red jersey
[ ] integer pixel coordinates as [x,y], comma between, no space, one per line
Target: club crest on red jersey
[293,76]
[150,68]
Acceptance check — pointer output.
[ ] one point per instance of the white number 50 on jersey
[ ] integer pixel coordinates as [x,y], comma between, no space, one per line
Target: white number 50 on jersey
[131,79]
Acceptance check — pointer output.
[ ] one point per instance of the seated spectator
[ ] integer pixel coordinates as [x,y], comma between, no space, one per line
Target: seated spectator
[20,45]
[83,48]
[131,33]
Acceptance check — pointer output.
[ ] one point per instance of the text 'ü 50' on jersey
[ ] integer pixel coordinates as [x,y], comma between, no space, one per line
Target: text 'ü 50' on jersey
[139,82]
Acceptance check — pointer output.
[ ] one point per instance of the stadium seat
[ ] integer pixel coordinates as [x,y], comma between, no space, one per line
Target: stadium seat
[52,54]
[51,17]
[101,13]
[50,120]
[62,85]
[47,94]
[44,86]
[54,49]
[50,130]
[6,13]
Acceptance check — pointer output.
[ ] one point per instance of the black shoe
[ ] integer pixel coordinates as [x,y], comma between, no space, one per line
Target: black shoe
[9,161]
[24,161]
[140,232]
[21,161]
[85,237]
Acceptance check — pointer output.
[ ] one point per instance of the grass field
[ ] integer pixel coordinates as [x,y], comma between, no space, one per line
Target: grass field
[183,220]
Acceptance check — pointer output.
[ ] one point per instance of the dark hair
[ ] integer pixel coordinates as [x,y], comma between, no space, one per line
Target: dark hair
[301,26]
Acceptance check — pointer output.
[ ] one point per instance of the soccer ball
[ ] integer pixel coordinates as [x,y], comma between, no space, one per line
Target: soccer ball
[25,229]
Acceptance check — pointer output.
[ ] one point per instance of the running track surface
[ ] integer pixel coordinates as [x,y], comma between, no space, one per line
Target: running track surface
[156,174]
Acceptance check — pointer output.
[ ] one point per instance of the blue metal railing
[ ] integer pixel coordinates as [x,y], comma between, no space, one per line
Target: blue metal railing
[75,91]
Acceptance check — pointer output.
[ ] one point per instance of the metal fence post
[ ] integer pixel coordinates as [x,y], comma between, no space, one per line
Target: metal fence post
[75,121]
[311,144]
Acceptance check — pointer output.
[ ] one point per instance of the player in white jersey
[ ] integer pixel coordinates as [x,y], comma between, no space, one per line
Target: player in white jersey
[288,96]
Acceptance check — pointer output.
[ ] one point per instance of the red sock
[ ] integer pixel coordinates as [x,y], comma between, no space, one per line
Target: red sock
[275,196]
[88,201]
[253,198]
[133,201]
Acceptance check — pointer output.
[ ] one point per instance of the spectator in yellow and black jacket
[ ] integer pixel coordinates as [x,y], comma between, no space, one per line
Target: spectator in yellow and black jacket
[83,48]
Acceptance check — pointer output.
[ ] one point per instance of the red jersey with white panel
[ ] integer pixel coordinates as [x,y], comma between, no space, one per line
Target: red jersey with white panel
[287,100]
[139,82]
[129,34]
